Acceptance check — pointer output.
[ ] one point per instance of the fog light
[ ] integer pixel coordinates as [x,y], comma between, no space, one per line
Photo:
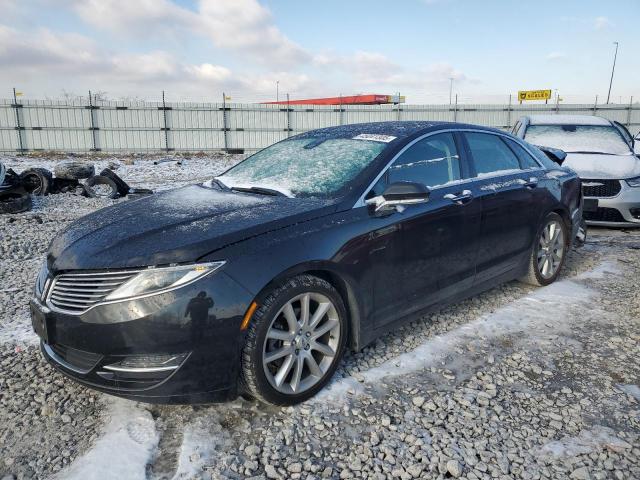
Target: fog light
[148,363]
[635,213]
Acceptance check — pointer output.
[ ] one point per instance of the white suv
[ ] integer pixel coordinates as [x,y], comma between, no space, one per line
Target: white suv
[602,153]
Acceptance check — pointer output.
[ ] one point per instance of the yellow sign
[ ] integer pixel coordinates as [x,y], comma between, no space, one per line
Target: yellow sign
[19,94]
[534,95]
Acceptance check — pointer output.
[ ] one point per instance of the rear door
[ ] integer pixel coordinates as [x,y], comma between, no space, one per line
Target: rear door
[506,187]
[439,238]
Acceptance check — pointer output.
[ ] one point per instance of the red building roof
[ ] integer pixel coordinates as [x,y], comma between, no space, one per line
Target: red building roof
[372,99]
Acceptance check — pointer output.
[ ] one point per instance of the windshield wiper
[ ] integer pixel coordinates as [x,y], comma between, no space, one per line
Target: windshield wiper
[220,184]
[597,153]
[261,190]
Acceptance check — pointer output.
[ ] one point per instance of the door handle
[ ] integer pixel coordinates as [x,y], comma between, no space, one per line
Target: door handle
[460,198]
[531,183]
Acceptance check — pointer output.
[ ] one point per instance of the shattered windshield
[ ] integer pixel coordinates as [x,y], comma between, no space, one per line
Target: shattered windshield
[578,138]
[304,167]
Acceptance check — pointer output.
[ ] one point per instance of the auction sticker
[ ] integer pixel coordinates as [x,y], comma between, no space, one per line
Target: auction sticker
[374,137]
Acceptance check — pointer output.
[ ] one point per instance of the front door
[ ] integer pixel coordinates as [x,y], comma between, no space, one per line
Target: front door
[438,239]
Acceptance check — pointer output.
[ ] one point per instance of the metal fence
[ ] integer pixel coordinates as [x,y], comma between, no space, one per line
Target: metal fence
[109,126]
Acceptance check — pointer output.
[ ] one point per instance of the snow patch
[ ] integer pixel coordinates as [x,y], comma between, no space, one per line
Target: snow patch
[587,441]
[128,442]
[632,390]
[19,332]
[521,317]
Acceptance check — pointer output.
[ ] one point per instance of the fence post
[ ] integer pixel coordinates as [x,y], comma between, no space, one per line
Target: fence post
[629,111]
[225,125]
[595,105]
[19,128]
[94,129]
[288,117]
[341,121]
[509,114]
[455,110]
[166,124]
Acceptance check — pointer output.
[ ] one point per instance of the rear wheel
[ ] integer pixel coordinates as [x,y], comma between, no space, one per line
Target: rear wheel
[548,252]
[295,341]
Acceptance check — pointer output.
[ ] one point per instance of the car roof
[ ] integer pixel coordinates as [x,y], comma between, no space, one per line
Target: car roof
[398,129]
[567,120]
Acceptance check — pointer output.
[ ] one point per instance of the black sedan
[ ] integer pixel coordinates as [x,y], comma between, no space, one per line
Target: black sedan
[257,281]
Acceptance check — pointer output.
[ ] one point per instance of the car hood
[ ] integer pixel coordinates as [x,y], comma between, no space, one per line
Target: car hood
[176,226]
[592,165]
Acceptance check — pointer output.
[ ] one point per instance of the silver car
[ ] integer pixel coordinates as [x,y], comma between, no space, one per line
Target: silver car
[602,153]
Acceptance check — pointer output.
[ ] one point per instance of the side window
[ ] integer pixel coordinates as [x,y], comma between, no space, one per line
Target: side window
[490,154]
[526,160]
[431,161]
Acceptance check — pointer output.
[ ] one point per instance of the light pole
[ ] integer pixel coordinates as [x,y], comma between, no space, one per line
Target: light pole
[613,69]
[450,89]
[277,90]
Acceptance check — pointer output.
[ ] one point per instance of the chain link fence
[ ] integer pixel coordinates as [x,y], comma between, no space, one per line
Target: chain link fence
[112,127]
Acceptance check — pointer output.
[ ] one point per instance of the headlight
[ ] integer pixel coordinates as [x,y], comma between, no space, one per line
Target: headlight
[158,280]
[633,182]
[41,279]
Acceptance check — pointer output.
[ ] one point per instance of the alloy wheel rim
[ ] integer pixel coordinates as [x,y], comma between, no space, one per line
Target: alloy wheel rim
[301,343]
[550,249]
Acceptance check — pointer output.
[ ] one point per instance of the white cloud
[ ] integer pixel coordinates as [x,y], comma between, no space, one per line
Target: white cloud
[242,26]
[553,56]
[602,23]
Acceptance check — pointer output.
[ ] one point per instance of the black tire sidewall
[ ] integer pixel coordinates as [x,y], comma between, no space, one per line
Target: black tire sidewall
[44,177]
[534,257]
[15,203]
[263,319]
[100,180]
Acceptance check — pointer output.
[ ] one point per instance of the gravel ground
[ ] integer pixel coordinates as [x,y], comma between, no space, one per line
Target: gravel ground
[516,382]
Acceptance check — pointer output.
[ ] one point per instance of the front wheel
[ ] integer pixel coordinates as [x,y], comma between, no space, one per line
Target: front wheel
[549,252]
[295,341]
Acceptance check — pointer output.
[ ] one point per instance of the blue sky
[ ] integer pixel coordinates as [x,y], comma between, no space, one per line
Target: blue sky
[196,49]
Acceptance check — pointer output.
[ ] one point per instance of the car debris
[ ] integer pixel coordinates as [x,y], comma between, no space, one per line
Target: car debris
[16,189]
[123,188]
[72,170]
[15,201]
[168,160]
[37,181]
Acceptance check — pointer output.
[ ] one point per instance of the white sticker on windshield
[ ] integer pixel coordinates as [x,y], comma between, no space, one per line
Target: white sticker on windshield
[374,137]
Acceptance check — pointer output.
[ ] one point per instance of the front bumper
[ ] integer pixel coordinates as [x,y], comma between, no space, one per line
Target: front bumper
[625,206]
[206,343]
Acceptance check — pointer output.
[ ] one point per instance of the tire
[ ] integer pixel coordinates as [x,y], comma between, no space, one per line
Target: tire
[15,202]
[259,376]
[123,188]
[100,187]
[37,181]
[71,170]
[540,272]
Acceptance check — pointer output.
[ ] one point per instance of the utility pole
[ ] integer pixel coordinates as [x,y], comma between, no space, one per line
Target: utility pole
[613,69]
[277,91]
[450,89]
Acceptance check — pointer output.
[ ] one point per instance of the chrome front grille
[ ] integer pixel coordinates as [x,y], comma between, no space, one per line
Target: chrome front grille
[76,292]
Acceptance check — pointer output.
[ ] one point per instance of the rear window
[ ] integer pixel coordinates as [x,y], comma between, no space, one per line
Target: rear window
[491,155]
[526,160]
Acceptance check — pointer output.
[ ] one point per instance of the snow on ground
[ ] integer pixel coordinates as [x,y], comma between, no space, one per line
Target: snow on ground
[127,444]
[527,317]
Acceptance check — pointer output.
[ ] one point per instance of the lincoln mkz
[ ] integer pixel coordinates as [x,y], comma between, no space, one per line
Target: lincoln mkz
[257,281]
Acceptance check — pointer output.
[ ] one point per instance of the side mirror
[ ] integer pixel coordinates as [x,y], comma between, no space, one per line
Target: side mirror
[554,154]
[398,195]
